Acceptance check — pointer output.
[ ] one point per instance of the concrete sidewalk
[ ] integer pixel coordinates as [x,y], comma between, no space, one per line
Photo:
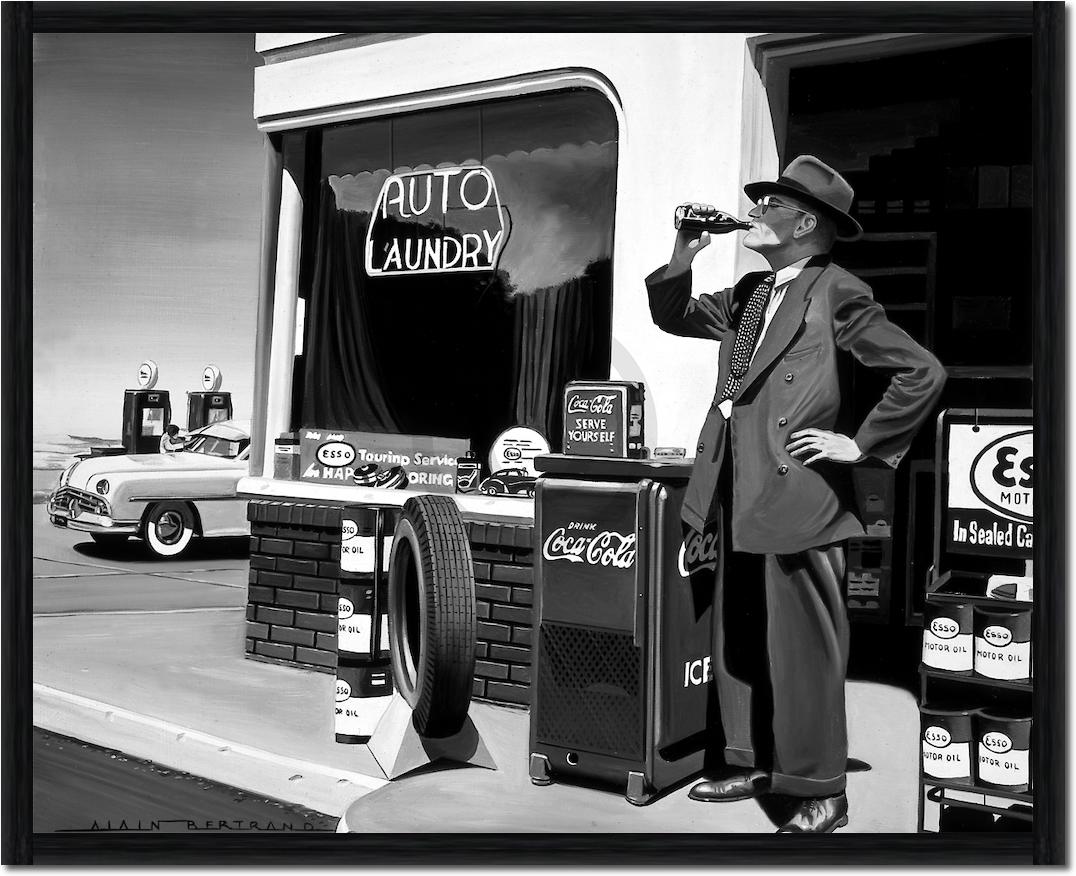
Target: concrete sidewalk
[174,687]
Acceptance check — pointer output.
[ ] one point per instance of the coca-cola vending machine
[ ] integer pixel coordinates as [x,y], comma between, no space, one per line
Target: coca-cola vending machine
[622,689]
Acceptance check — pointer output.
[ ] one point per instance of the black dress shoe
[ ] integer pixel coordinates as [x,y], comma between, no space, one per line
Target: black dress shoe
[742,786]
[819,815]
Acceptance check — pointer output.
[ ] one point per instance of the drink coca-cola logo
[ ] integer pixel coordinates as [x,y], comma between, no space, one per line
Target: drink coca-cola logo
[597,404]
[606,548]
[698,552]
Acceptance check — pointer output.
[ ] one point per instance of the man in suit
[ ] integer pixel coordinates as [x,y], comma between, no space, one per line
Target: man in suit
[772,473]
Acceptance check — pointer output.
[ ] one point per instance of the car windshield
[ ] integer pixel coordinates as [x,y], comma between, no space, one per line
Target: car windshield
[215,445]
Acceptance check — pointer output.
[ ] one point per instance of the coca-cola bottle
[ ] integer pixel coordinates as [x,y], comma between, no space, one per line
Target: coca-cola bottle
[687,218]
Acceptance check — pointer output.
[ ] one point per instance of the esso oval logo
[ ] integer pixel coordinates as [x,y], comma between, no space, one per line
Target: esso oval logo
[348,529]
[999,637]
[336,454]
[944,627]
[1003,475]
[517,447]
[998,743]
[343,690]
[939,737]
[211,378]
[147,374]
[345,608]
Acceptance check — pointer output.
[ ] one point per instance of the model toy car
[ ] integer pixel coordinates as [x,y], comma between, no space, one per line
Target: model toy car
[509,482]
[165,499]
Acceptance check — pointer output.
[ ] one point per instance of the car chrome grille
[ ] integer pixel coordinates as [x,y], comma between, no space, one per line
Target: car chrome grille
[79,501]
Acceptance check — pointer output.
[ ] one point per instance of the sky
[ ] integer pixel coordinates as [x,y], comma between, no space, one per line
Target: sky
[147,218]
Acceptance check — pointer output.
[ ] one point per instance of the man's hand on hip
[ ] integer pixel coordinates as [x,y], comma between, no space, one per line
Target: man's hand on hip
[811,445]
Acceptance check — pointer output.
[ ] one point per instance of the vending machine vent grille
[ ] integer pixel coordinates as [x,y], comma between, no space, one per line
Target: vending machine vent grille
[589,691]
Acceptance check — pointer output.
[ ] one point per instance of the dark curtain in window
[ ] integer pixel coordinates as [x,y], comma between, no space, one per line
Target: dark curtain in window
[339,352]
[561,334]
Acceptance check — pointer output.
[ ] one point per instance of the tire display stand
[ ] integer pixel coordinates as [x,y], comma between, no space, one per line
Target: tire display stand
[432,623]
[962,578]
[399,748]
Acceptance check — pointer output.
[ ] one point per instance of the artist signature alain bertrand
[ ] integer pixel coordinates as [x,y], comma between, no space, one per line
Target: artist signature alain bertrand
[172,825]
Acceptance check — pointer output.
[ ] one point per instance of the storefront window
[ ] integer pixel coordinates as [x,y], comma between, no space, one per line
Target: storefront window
[465,333]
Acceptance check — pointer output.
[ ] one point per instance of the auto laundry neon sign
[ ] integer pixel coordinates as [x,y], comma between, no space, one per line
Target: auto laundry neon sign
[439,221]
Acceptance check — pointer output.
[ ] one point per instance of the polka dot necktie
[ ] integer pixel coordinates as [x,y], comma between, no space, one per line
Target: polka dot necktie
[747,334]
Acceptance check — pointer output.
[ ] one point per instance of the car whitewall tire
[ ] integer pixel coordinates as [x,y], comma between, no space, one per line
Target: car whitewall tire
[169,529]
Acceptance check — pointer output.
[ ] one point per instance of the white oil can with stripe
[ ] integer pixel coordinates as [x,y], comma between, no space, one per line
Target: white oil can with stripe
[1004,750]
[946,743]
[1003,644]
[947,637]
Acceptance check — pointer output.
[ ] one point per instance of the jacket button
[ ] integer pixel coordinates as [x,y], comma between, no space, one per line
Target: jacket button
[701,448]
[789,377]
[782,470]
[783,421]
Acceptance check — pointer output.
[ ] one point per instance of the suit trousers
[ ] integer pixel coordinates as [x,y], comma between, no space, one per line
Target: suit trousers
[780,646]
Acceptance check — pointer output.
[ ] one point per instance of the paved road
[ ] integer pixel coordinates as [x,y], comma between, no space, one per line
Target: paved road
[75,783]
[81,787]
[73,574]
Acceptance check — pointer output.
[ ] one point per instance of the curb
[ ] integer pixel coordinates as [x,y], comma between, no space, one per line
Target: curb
[321,788]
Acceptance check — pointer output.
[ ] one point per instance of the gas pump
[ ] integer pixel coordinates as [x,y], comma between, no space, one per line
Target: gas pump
[210,405]
[146,412]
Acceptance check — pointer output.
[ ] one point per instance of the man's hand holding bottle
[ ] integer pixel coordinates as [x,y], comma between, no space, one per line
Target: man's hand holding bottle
[694,225]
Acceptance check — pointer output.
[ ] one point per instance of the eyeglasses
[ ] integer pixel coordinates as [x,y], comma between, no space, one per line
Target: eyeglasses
[767,201]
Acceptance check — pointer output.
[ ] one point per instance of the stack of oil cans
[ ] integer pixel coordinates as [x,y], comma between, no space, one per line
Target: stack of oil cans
[965,741]
[364,670]
[987,747]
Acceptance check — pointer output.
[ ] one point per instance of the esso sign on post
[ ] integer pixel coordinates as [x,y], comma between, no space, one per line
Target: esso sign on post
[211,378]
[147,374]
[1003,475]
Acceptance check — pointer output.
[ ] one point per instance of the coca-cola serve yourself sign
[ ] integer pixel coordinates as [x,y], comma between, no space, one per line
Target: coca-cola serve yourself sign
[604,418]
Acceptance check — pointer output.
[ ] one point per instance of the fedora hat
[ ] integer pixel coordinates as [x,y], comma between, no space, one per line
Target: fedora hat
[816,183]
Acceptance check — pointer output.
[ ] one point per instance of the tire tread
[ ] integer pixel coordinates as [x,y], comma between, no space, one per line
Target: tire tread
[446,672]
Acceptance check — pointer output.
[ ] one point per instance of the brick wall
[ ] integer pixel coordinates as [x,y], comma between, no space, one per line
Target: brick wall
[294,582]
[503,568]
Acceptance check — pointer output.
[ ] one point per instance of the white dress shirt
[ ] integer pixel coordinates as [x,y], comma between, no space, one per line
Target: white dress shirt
[780,285]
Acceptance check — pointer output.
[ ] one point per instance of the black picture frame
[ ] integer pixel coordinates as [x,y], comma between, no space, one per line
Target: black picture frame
[1043,21]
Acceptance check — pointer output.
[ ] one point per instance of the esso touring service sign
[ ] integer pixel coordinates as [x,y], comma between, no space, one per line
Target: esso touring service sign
[991,489]
[441,221]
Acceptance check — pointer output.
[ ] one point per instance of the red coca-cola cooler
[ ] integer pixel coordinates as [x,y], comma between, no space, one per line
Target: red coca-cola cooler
[622,689]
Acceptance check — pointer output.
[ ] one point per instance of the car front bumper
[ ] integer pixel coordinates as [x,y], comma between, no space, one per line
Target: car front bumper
[68,515]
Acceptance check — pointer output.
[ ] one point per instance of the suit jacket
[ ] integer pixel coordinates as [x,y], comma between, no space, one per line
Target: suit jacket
[796,380]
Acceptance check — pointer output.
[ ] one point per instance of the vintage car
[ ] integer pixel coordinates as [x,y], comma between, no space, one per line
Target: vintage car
[509,482]
[163,498]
